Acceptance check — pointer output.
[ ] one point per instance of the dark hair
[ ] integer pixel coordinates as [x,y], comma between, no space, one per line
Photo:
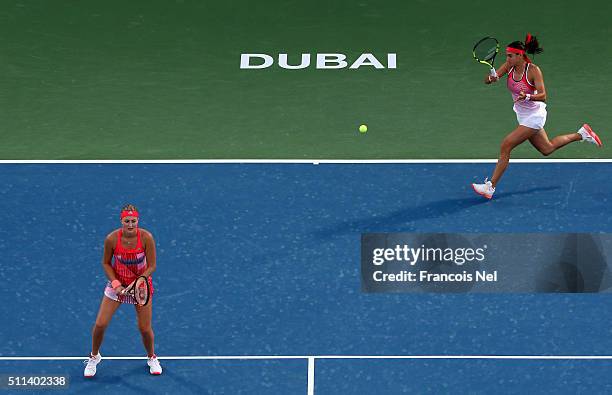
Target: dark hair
[129,207]
[531,45]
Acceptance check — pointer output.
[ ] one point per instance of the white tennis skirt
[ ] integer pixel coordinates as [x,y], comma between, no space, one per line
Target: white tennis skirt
[532,118]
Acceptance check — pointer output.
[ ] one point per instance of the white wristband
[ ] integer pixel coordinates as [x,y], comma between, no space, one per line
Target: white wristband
[527,97]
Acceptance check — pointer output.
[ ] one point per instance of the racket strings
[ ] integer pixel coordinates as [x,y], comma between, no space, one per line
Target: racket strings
[141,291]
[486,50]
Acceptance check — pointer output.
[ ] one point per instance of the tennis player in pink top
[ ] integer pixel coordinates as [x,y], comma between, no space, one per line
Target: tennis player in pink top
[129,252]
[526,84]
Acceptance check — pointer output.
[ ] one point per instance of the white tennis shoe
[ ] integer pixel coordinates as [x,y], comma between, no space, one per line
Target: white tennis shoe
[154,366]
[589,135]
[485,189]
[91,362]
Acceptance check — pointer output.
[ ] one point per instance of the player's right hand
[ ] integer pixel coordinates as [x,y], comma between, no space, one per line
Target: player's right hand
[119,290]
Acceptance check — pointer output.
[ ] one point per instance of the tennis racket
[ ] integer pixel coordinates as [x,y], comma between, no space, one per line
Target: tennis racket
[139,290]
[485,51]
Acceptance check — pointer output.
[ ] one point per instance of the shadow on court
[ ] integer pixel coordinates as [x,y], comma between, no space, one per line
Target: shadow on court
[404,220]
[504,195]
[134,378]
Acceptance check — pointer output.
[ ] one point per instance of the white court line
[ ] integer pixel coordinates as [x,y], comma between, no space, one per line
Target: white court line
[313,357]
[182,357]
[311,376]
[272,161]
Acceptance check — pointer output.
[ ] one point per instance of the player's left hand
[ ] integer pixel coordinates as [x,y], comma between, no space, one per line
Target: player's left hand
[521,96]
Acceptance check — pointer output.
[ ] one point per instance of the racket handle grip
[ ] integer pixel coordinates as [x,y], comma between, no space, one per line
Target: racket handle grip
[493,72]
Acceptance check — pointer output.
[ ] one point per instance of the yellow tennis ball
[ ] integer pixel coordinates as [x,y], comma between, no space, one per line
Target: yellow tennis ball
[363,128]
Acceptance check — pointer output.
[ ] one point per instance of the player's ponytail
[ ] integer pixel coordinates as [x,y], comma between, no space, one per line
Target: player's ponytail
[531,45]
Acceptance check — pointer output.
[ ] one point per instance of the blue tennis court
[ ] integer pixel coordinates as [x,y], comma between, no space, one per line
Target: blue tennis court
[263,260]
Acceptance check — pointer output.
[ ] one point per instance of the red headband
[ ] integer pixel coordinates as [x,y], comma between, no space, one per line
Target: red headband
[129,213]
[515,50]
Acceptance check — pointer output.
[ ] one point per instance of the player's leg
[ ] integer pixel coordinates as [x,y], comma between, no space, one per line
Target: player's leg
[512,140]
[541,142]
[107,309]
[144,315]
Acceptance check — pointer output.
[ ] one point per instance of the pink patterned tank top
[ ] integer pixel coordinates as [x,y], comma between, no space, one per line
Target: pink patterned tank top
[129,263]
[523,85]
